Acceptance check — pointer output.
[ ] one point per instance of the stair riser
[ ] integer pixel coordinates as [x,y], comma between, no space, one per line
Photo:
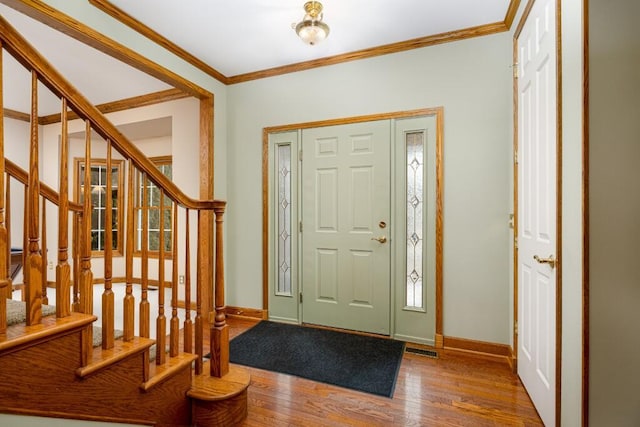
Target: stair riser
[42,378]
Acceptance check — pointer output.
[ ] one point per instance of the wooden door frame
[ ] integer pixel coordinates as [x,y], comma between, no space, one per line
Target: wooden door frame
[558,272]
[438,113]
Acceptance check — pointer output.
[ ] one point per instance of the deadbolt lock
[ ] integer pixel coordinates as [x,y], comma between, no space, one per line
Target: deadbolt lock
[382,224]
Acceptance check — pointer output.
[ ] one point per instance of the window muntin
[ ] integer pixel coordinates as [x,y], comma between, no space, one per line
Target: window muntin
[99,189]
[155,211]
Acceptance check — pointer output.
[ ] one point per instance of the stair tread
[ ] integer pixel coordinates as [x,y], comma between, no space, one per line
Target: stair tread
[208,388]
[101,358]
[21,334]
[159,373]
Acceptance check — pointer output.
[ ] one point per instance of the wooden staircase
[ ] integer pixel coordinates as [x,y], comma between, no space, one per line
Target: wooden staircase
[48,365]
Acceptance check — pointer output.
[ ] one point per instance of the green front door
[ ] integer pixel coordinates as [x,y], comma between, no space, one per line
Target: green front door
[346,214]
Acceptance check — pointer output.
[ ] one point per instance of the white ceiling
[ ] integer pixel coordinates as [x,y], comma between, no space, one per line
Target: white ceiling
[234,37]
[242,36]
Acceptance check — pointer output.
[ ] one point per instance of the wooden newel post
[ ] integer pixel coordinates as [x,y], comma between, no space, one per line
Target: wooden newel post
[219,329]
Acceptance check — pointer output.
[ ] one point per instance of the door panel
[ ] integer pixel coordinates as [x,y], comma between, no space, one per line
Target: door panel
[537,208]
[346,193]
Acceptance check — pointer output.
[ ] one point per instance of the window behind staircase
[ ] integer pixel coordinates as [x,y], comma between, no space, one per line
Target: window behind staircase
[157,211]
[99,189]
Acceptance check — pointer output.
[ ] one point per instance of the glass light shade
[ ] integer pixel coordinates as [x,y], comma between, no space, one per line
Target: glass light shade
[312,31]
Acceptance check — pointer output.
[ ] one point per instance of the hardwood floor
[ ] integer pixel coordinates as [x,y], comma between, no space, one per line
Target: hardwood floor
[456,389]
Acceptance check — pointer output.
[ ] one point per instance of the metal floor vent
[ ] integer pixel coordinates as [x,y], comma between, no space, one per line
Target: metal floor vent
[421,352]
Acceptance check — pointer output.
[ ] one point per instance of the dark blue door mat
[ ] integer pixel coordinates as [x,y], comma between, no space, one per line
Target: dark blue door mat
[357,362]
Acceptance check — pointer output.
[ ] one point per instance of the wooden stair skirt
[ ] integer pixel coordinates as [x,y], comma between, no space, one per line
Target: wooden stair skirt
[40,375]
[220,401]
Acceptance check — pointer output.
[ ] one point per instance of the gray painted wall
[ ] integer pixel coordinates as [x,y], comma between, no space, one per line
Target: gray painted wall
[472,80]
[614,206]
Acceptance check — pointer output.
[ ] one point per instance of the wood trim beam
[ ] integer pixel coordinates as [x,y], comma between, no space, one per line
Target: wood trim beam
[417,43]
[17,115]
[516,225]
[511,13]
[108,107]
[439,333]
[52,17]
[128,20]
[206,234]
[123,104]
[559,142]
[356,119]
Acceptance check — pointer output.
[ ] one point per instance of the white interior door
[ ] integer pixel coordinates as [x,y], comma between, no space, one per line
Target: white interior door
[537,208]
[345,218]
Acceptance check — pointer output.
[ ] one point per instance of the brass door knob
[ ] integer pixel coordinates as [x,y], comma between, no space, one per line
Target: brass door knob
[550,260]
[381,239]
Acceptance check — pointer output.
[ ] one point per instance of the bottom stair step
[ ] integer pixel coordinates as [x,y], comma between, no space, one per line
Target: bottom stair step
[220,401]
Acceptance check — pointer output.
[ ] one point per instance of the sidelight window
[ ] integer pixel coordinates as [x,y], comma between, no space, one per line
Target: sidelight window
[415,218]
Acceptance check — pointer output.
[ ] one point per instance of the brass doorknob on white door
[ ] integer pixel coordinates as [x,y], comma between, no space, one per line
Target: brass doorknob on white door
[381,239]
[550,260]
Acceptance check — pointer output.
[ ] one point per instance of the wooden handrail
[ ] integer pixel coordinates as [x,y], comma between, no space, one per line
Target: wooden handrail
[31,59]
[47,192]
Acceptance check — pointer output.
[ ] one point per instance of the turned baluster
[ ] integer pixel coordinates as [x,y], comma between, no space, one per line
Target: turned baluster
[33,266]
[129,300]
[25,242]
[43,251]
[161,321]
[198,323]
[220,329]
[63,271]
[86,275]
[4,243]
[188,324]
[174,325]
[76,250]
[144,299]
[108,307]
[7,221]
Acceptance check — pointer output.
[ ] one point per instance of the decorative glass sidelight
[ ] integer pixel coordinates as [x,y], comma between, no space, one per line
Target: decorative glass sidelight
[283,166]
[415,218]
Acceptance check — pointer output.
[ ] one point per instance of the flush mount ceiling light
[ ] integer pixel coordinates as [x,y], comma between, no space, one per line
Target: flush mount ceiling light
[311,29]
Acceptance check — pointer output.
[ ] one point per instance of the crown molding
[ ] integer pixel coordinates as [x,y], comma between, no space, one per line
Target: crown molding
[482,30]
[418,43]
